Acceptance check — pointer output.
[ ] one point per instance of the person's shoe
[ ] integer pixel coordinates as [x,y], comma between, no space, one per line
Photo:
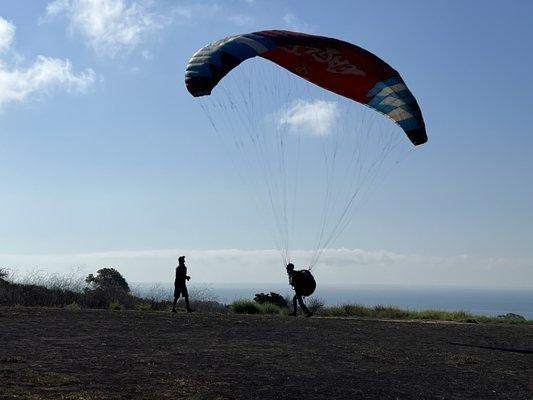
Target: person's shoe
[292,314]
[174,310]
[190,310]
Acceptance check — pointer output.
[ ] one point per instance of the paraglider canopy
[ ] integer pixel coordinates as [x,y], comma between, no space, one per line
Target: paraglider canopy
[335,65]
[308,154]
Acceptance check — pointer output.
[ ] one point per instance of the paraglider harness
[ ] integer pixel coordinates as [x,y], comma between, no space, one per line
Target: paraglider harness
[303,282]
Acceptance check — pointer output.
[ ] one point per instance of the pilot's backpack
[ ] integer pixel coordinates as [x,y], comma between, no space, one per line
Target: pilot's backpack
[306,283]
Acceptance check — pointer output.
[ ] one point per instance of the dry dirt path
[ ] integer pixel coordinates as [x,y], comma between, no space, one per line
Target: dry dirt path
[91,354]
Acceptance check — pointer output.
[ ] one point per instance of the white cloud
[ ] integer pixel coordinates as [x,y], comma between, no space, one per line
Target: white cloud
[7,34]
[45,73]
[110,27]
[337,266]
[310,117]
[182,12]
[241,19]
[18,83]
[147,55]
[205,11]
[294,23]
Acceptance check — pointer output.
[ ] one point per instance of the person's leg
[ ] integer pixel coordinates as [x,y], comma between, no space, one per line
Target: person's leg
[187,305]
[175,301]
[186,297]
[294,307]
[303,306]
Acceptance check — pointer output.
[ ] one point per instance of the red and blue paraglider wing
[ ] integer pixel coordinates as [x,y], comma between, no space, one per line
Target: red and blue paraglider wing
[332,64]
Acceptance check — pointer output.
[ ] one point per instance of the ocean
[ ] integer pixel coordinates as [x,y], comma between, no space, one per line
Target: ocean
[482,301]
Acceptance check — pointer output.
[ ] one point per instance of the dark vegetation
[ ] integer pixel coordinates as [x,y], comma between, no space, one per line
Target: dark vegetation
[272,298]
[106,290]
[109,290]
[106,278]
[274,303]
[318,308]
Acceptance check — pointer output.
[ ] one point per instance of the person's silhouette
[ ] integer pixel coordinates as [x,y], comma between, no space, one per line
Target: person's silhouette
[303,284]
[180,284]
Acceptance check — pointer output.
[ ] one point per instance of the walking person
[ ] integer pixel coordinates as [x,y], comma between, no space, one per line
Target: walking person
[303,283]
[180,284]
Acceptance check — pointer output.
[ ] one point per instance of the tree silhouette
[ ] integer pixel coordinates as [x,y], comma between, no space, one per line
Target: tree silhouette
[3,274]
[108,278]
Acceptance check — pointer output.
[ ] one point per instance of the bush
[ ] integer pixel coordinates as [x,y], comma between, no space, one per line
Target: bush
[390,312]
[460,316]
[245,307]
[35,296]
[4,273]
[115,305]
[108,278]
[315,305]
[512,318]
[349,310]
[102,297]
[272,298]
[42,290]
[269,308]
[432,315]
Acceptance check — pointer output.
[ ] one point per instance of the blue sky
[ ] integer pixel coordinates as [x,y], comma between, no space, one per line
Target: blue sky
[105,158]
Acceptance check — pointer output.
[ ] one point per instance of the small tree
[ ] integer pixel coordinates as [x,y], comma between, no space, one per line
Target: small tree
[272,298]
[107,278]
[3,275]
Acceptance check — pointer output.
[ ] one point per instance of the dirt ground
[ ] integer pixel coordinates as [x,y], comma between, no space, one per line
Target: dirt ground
[92,354]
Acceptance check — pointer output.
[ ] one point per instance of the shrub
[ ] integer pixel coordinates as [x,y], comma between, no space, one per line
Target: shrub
[269,308]
[4,273]
[285,311]
[315,305]
[115,305]
[35,296]
[461,316]
[272,298]
[349,310]
[512,318]
[108,278]
[42,290]
[390,312]
[245,307]
[433,315]
[102,297]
